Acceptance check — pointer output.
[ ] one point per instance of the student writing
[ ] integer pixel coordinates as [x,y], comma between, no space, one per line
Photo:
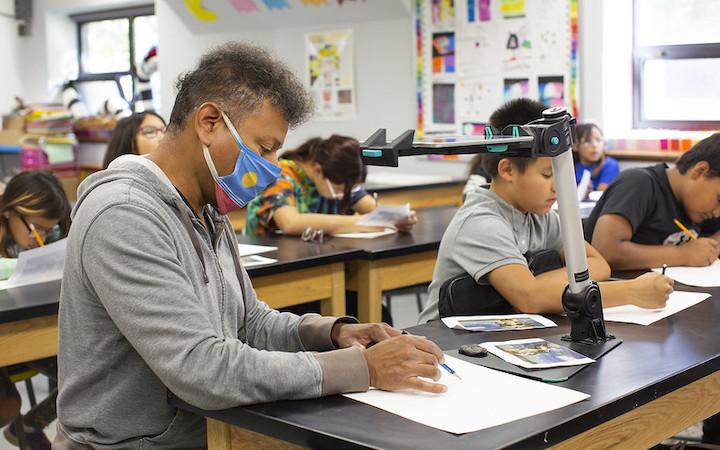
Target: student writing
[495,227]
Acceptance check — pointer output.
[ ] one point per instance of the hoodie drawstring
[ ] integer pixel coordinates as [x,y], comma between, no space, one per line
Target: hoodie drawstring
[193,238]
[234,253]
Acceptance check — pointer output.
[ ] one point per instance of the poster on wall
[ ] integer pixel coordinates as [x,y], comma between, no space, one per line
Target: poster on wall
[498,50]
[330,73]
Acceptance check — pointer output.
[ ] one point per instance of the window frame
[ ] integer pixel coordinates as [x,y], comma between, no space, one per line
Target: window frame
[641,54]
[123,13]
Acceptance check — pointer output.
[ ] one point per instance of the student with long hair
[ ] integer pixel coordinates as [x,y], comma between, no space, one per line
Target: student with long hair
[137,134]
[589,155]
[319,188]
[34,211]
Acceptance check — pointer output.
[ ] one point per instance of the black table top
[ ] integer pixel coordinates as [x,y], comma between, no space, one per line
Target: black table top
[29,301]
[426,235]
[652,361]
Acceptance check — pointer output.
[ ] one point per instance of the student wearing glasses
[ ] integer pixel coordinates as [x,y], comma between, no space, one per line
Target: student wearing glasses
[138,134]
[34,211]
[318,190]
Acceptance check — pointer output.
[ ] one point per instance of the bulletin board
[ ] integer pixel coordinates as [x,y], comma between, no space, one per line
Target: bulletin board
[474,55]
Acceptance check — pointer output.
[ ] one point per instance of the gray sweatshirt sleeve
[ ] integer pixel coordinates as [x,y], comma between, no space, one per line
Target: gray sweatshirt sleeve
[130,261]
[342,370]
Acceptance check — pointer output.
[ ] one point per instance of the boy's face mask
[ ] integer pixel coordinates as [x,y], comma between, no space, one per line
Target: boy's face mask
[252,174]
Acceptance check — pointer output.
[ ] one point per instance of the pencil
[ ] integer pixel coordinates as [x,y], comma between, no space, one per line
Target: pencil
[37,235]
[452,372]
[685,230]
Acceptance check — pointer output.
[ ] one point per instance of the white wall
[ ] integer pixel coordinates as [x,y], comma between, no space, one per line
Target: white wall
[384,79]
[10,84]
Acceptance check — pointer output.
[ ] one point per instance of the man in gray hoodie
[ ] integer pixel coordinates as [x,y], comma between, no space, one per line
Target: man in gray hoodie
[154,297]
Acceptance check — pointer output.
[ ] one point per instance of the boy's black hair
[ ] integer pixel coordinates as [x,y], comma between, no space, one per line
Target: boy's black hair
[515,112]
[706,150]
[239,77]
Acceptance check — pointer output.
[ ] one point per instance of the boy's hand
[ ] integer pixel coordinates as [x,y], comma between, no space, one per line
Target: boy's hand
[399,362]
[651,290]
[700,252]
[361,334]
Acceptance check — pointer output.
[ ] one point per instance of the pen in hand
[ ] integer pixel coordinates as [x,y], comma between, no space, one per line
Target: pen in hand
[443,365]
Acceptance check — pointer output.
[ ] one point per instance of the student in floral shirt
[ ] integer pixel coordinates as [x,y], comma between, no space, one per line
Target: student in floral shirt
[318,189]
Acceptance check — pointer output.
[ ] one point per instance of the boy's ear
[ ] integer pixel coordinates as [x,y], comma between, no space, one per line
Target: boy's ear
[701,168]
[506,169]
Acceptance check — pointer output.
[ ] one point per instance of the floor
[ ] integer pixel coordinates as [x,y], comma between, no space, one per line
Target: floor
[404,312]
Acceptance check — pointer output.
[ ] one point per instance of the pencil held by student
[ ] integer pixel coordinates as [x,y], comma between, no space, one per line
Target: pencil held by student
[662,215]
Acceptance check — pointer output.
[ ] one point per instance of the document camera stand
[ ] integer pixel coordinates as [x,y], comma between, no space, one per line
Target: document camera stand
[552,136]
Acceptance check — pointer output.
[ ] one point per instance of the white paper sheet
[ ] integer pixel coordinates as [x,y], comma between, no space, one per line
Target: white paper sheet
[456,322]
[256,260]
[249,249]
[530,358]
[484,398]
[38,265]
[367,235]
[583,185]
[678,301]
[708,276]
[386,215]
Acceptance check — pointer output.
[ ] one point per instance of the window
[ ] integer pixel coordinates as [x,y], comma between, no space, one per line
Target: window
[676,56]
[111,47]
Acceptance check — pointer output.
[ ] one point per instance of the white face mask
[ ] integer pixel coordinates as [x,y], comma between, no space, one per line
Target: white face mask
[333,194]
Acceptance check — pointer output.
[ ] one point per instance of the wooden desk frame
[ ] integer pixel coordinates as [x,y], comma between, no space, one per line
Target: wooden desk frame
[371,277]
[641,427]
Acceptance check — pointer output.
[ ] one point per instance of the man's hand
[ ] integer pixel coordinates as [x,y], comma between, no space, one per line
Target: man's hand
[361,334]
[402,361]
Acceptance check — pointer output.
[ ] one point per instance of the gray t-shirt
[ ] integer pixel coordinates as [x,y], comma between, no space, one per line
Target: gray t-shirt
[487,233]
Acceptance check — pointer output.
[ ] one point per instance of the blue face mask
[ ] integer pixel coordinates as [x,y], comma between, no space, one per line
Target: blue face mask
[252,174]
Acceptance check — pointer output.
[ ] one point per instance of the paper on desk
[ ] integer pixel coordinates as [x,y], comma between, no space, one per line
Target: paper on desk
[256,260]
[484,398]
[708,276]
[507,322]
[367,235]
[386,215]
[38,265]
[584,185]
[249,249]
[678,301]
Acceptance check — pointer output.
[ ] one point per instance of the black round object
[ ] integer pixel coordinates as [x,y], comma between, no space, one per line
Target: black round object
[474,350]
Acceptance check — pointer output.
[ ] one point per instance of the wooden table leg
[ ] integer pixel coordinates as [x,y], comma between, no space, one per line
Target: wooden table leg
[369,291]
[335,305]
[218,435]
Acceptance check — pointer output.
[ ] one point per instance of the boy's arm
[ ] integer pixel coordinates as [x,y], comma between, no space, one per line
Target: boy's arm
[543,293]
[612,238]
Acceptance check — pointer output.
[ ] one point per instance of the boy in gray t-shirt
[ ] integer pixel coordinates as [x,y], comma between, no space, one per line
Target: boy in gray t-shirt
[497,225]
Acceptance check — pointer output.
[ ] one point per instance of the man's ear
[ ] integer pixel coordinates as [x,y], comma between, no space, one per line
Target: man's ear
[506,170]
[701,168]
[207,119]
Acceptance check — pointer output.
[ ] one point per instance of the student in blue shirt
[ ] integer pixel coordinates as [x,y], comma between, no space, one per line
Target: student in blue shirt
[590,155]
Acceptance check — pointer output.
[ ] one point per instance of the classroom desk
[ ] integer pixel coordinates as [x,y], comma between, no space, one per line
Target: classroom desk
[660,380]
[304,272]
[395,261]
